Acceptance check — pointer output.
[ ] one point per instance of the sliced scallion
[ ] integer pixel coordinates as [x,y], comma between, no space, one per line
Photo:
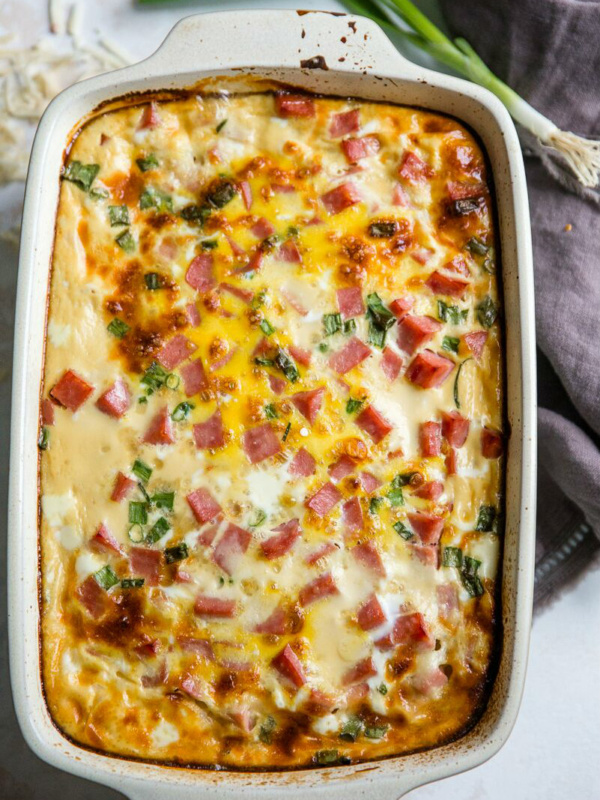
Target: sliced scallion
[141,470]
[353,405]
[117,327]
[155,198]
[82,175]
[138,513]
[147,163]
[287,431]
[401,529]
[158,530]
[152,281]
[176,553]
[375,505]
[106,577]
[469,577]
[351,729]
[332,323]
[118,215]
[132,583]
[456,382]
[266,327]
[286,365]
[486,519]
[136,533]
[181,411]
[126,242]
[259,519]
[164,500]
[376,731]
[450,343]
[452,557]
[271,411]
[487,311]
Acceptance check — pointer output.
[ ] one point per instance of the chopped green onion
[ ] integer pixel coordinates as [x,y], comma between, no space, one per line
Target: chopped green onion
[349,327]
[456,395]
[264,362]
[164,500]
[271,411]
[83,175]
[286,365]
[452,314]
[266,327]
[136,533]
[147,163]
[181,411]
[259,519]
[126,242]
[293,231]
[176,553]
[106,577]
[132,583]
[152,280]
[380,320]
[98,194]
[383,229]
[396,497]
[221,125]
[332,323]
[195,213]
[118,215]
[374,505]
[259,299]
[451,344]
[158,530]
[172,381]
[401,528]
[323,347]
[141,470]
[476,247]
[402,479]
[351,729]
[44,439]
[487,311]
[486,519]
[327,757]
[469,577]
[221,194]
[353,405]
[287,430]
[142,489]
[376,731]
[382,689]
[155,376]
[117,327]
[209,244]
[142,400]
[489,262]
[155,198]
[452,557]
[265,733]
[138,513]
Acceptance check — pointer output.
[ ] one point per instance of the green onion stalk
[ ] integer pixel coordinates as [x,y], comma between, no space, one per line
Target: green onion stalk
[581,155]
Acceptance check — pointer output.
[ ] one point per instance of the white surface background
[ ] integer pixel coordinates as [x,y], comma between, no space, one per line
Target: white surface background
[554,751]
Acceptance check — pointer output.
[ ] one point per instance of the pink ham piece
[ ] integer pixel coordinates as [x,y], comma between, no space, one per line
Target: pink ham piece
[214,607]
[350,302]
[289,252]
[430,439]
[71,391]
[491,443]
[414,170]
[312,558]
[356,694]
[426,553]
[344,123]
[192,686]
[291,105]
[104,540]
[352,515]
[370,421]
[413,332]
[200,647]
[447,598]
[47,412]
[428,527]
[192,314]
[200,273]
[146,563]
[451,461]
[288,664]
[434,679]
[231,547]
[194,378]
[245,295]
[175,351]
[357,149]
[277,623]
[324,500]
[368,555]
[342,467]
[210,434]
[455,428]
[286,536]
[429,370]
[149,118]
[300,355]
[400,196]
[451,286]
[458,264]
[295,302]
[412,629]
[341,198]
[323,586]
[391,364]
[309,403]
[475,342]
[458,190]
[246,192]
[360,672]
[244,718]
[369,482]
[277,384]
[254,264]
[221,362]
[93,597]
[303,464]
[160,430]
[283,188]
[401,306]
[116,400]
[237,251]
[204,506]
[350,356]
[422,255]
[209,533]
[262,228]
[431,490]
[260,443]
[123,485]
[371,615]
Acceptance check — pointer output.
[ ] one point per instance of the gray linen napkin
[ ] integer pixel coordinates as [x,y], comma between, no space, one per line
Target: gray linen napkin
[548,51]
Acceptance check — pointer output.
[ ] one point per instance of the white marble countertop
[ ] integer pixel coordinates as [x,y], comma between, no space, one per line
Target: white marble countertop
[554,751]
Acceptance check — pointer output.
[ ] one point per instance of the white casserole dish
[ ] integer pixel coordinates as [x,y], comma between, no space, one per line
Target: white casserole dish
[362,63]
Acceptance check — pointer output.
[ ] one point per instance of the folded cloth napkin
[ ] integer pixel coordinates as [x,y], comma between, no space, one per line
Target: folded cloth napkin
[549,53]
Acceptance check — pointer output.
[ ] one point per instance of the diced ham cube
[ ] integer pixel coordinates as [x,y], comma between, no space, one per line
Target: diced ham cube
[324,500]
[350,302]
[360,672]
[342,467]
[401,306]
[491,443]
[176,350]
[413,332]
[344,123]
[428,527]
[204,506]
[123,485]
[254,264]
[244,718]
[245,295]
[454,286]
[262,228]
[429,370]
[371,615]
[276,623]
[260,443]
[288,664]
[430,439]
[246,192]
[411,629]
[47,412]
[289,252]
[193,315]
[430,490]
[431,680]
[391,364]
[231,547]
[193,686]
[357,693]
[149,117]
[455,428]
[422,255]
[400,196]
[200,647]
[71,391]
[104,540]
[369,482]
[221,362]
[356,149]
[146,563]
[323,586]
[214,607]
[458,264]
[352,515]
[350,356]
[236,249]
[286,536]
[309,403]
[194,377]
[459,190]
[370,421]
[303,464]
[451,461]
[320,553]
[427,554]
[319,703]
[210,434]
[295,302]
[291,105]
[116,400]
[93,597]
[475,342]
[200,273]
[341,198]
[447,598]
[414,170]
[368,555]
[277,384]
[300,355]
[160,430]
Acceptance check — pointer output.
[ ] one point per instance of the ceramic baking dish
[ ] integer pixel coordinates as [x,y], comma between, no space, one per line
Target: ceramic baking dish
[355,59]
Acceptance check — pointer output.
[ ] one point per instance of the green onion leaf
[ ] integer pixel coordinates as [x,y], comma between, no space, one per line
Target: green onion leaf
[380,320]
[82,175]
[195,214]
[152,280]
[323,347]
[353,405]
[155,376]
[106,577]
[332,323]
[271,411]
[221,194]
[126,242]
[221,125]
[383,229]
[259,519]
[404,532]
[287,430]
[452,314]
[138,513]
[117,327]
[118,215]
[141,470]
[470,579]
[155,198]
[459,370]
[452,557]
[351,729]
[487,311]
[132,583]
[98,194]
[158,530]
[376,731]
[266,327]
[286,365]
[209,244]
[147,163]
[136,533]
[476,247]
[176,553]
[326,757]
[265,733]
[264,362]
[44,439]
[164,500]
[382,689]
[349,327]
[181,411]
[172,381]
[395,497]
[259,299]
[451,344]
[486,519]
[403,479]
[375,504]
